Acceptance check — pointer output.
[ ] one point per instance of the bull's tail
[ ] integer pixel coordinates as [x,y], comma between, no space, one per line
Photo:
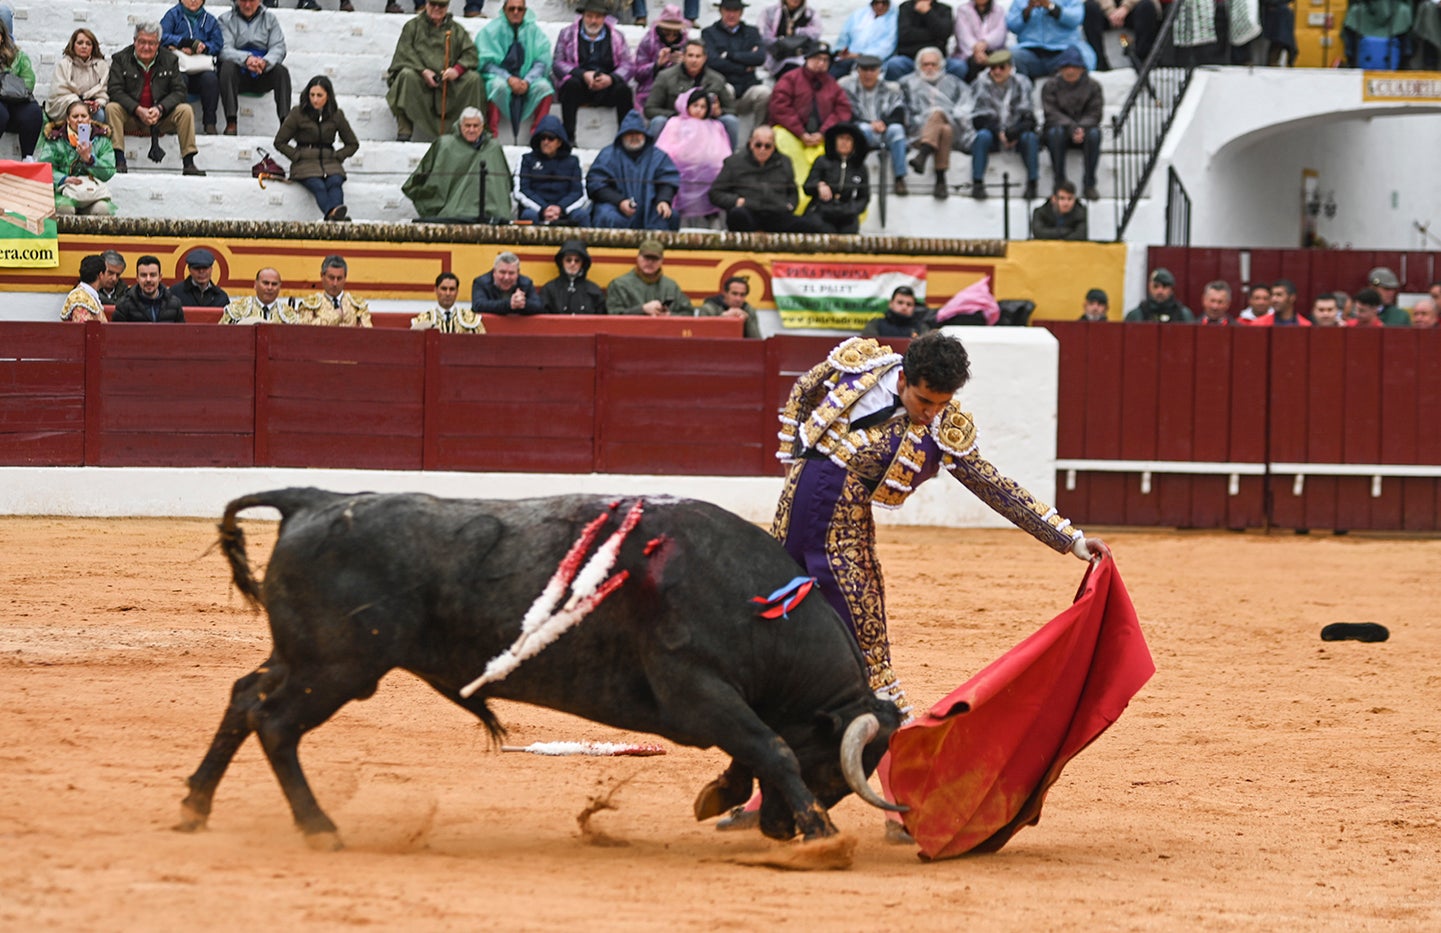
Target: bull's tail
[232,538]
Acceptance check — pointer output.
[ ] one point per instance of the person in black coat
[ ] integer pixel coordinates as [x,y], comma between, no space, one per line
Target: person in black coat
[900,319]
[839,183]
[148,301]
[571,292]
[197,290]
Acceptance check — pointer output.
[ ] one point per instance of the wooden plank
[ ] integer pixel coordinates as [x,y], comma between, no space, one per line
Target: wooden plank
[1211,422]
[42,448]
[1248,429]
[37,340]
[1105,353]
[1326,401]
[31,377]
[683,460]
[1073,402]
[1140,390]
[621,325]
[1180,381]
[561,420]
[648,356]
[42,413]
[1290,400]
[642,423]
[698,392]
[458,350]
[181,415]
[122,449]
[344,451]
[341,384]
[167,380]
[347,345]
[514,454]
[357,418]
[1419,504]
[177,341]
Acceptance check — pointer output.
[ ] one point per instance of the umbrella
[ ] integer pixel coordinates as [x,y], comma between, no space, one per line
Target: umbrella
[976,767]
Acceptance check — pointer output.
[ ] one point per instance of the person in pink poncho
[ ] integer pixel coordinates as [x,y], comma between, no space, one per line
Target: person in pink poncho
[658,50]
[697,143]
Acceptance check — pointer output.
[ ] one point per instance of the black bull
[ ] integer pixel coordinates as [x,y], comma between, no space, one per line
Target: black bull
[359,585]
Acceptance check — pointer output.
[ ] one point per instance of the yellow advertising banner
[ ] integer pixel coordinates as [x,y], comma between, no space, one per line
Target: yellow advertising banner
[27,216]
[1413,86]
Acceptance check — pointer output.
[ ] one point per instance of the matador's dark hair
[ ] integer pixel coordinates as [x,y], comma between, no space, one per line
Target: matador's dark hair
[938,361]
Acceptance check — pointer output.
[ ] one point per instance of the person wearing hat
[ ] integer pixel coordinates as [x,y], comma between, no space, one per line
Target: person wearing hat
[785,30]
[513,55]
[149,301]
[593,65]
[1044,29]
[805,103]
[433,69]
[646,289]
[735,49]
[1003,118]
[1160,305]
[757,189]
[633,182]
[1061,217]
[571,292]
[658,49]
[839,184]
[549,185]
[1097,306]
[879,112]
[870,30]
[1072,102]
[1385,282]
[920,24]
[934,98]
[692,75]
[197,290]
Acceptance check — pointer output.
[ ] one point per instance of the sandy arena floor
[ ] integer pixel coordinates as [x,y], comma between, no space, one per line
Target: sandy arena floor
[1262,780]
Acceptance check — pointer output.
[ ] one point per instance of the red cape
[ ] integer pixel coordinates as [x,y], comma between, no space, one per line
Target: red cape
[976,768]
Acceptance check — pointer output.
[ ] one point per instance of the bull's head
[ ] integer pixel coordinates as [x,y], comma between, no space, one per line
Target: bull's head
[855,738]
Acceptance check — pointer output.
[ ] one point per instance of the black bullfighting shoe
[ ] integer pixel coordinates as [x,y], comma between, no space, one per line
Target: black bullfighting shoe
[1355,631]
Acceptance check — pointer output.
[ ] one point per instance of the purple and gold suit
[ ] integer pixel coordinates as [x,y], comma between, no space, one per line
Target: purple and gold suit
[839,469]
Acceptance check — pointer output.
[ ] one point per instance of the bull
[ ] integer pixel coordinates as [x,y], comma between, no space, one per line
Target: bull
[359,585]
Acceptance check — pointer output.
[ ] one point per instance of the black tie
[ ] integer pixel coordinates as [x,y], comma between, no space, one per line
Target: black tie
[877,417]
[335,302]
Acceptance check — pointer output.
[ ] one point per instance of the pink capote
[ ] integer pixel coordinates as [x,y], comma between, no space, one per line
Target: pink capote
[697,147]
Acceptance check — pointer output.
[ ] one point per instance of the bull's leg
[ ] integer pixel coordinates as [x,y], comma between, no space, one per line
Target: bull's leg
[731,789]
[234,729]
[301,703]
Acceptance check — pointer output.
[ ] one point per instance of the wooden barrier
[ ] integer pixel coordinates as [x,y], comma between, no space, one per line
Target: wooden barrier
[42,395]
[633,325]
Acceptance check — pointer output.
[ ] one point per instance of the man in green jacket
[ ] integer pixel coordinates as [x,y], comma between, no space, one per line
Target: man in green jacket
[432,75]
[645,289]
[447,182]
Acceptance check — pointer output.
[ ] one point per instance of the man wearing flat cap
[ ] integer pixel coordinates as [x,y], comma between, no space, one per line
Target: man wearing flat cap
[646,289]
[806,102]
[1160,305]
[432,75]
[1387,284]
[593,65]
[197,290]
[736,51]
[1097,306]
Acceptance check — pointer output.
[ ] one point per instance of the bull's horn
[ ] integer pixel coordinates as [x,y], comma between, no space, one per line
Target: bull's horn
[859,734]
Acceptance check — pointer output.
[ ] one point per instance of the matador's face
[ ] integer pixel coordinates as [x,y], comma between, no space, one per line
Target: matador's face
[921,402]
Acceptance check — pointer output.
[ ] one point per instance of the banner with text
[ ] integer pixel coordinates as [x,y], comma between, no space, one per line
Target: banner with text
[27,215]
[839,295]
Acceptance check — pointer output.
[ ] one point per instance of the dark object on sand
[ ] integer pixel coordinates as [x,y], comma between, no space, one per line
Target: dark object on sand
[1355,631]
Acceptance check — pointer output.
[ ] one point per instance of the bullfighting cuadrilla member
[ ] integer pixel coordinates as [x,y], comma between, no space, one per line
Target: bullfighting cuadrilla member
[867,426]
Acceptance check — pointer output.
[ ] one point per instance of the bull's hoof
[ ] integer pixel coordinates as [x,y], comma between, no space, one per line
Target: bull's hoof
[738,819]
[719,796]
[897,835]
[324,841]
[191,820]
[815,823]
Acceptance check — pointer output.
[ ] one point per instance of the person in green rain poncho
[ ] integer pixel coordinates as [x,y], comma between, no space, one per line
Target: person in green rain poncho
[447,182]
[515,59]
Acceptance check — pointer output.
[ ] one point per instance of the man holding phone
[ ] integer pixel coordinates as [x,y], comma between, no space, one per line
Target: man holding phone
[646,289]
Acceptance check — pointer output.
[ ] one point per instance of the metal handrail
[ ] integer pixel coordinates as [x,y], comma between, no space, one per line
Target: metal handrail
[1178,210]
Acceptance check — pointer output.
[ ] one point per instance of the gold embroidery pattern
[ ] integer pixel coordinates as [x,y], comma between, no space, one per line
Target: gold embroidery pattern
[1011,499]
[861,354]
[821,397]
[954,431]
[250,310]
[900,479]
[460,320]
[781,523]
[353,311]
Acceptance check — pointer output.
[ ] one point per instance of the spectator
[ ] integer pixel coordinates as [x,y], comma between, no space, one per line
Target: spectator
[980,30]
[1384,281]
[81,73]
[632,183]
[1345,304]
[870,30]
[900,319]
[1097,306]
[786,29]
[1258,303]
[432,74]
[446,316]
[736,50]
[1062,217]
[756,188]
[549,187]
[920,24]
[463,177]
[934,101]
[1435,293]
[251,61]
[1072,102]
[1160,305]
[571,292]
[804,104]
[1004,119]
[839,184]
[197,290]
[81,161]
[1044,29]
[1142,17]
[147,95]
[1216,304]
[1283,307]
[1326,311]
[1423,314]
[503,290]
[189,28]
[24,117]
[657,50]
[646,289]
[83,302]
[732,303]
[112,284]
[333,305]
[307,138]
[265,306]
[593,65]
[149,301]
[698,145]
[692,74]
[513,55]
[879,112]
[1368,309]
